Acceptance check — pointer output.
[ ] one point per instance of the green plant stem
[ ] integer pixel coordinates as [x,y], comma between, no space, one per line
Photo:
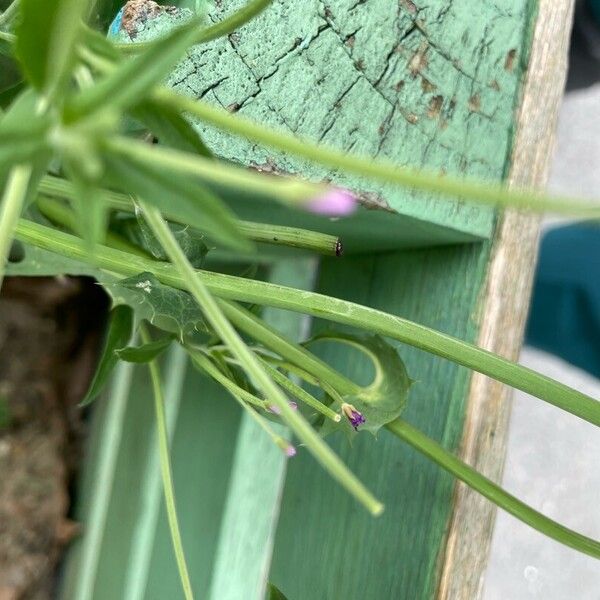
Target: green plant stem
[252,366]
[224,27]
[293,237]
[380,170]
[295,353]
[61,215]
[340,311]
[297,392]
[166,471]
[490,490]
[285,189]
[206,365]
[10,13]
[10,210]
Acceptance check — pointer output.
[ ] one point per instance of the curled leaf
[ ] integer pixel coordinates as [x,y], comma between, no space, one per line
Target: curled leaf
[146,352]
[119,332]
[383,399]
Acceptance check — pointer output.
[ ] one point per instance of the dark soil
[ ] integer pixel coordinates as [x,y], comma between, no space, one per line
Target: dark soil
[50,330]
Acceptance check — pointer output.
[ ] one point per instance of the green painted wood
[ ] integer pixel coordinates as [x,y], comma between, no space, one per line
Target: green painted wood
[434,85]
[201,464]
[247,534]
[328,547]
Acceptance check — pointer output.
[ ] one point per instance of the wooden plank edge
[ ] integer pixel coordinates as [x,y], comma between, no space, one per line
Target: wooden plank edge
[505,304]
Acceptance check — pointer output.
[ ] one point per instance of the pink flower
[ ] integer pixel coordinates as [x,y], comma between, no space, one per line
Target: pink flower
[335,202]
[277,411]
[290,451]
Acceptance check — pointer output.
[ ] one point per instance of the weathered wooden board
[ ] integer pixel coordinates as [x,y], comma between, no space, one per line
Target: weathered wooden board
[103,564]
[432,86]
[506,301]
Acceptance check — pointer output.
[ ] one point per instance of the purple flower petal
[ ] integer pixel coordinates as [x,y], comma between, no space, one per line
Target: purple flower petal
[354,416]
[290,451]
[336,202]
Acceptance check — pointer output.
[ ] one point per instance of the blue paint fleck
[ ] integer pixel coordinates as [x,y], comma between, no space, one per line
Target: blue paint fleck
[115,26]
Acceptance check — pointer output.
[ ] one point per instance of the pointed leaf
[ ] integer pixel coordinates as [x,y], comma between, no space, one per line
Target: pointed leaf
[274,593]
[22,132]
[146,352]
[182,197]
[91,209]
[136,230]
[165,307]
[118,335]
[132,79]
[46,37]
[170,127]
[99,45]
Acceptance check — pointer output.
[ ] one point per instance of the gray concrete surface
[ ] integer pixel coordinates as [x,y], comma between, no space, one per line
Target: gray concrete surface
[553,458]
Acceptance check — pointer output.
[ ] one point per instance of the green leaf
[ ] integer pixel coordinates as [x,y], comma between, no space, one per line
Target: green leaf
[91,209]
[170,127]
[146,352]
[181,197]
[136,230]
[132,80]
[99,45]
[384,398]
[46,36]
[165,307]
[22,132]
[118,335]
[10,92]
[104,11]
[274,593]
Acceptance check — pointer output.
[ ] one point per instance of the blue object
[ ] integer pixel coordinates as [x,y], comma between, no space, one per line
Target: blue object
[594,6]
[115,26]
[564,318]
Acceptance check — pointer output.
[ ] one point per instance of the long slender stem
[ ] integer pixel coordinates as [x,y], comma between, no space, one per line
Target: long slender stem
[340,311]
[10,210]
[299,393]
[242,398]
[10,13]
[224,27]
[381,170]
[293,237]
[285,189]
[493,492]
[167,475]
[203,363]
[60,214]
[251,364]
[295,353]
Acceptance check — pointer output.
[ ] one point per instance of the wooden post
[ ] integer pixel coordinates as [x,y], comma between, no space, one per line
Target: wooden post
[504,308]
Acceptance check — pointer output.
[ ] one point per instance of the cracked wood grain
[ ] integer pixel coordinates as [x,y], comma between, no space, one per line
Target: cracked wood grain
[504,306]
[326,65]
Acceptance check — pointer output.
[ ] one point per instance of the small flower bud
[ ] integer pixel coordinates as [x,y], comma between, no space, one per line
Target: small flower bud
[336,202]
[355,417]
[287,448]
